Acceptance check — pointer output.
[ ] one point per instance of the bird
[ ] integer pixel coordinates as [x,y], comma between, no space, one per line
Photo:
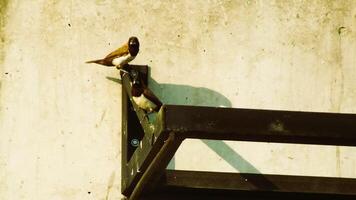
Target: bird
[121,56]
[143,96]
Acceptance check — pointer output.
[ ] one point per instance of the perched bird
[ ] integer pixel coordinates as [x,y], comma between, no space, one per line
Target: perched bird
[121,56]
[143,96]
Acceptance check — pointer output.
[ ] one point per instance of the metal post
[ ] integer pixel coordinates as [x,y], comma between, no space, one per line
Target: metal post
[157,166]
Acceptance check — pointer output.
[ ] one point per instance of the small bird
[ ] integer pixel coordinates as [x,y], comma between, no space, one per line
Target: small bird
[121,56]
[143,96]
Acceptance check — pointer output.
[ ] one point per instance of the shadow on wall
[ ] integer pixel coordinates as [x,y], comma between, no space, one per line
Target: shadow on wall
[230,156]
[184,94]
[188,95]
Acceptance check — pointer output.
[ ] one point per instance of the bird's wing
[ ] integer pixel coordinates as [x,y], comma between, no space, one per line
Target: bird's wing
[152,97]
[119,52]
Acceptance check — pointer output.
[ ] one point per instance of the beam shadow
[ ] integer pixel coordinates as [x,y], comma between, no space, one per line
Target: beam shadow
[188,95]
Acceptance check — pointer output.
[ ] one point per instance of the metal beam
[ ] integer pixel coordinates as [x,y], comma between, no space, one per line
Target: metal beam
[261,125]
[136,163]
[258,182]
[157,166]
[143,165]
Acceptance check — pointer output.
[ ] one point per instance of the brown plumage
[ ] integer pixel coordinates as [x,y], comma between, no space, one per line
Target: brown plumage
[121,56]
[143,96]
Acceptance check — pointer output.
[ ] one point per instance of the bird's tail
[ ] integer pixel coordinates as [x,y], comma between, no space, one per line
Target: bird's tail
[100,61]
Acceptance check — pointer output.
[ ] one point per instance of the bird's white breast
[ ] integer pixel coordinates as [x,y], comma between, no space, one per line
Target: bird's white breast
[119,61]
[144,103]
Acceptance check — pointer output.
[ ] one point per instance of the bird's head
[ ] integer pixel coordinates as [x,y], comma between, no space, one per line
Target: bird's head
[135,78]
[137,88]
[134,46]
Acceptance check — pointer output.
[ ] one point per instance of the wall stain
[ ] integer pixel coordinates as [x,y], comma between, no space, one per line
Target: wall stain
[338,161]
[337,85]
[3,18]
[102,116]
[110,184]
[51,23]
[3,8]
[341,29]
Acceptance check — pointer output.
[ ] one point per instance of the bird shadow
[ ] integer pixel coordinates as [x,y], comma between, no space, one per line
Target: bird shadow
[116,80]
[184,94]
[176,94]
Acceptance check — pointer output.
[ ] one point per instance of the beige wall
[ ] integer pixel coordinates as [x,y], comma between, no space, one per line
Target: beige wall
[61,119]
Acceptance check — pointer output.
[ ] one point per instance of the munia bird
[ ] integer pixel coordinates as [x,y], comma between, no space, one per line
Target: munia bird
[121,56]
[143,96]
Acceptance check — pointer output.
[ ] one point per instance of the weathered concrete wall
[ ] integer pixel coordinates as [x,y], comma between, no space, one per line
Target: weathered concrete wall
[60,118]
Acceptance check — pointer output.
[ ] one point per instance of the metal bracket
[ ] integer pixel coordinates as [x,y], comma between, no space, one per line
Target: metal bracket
[148,147]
